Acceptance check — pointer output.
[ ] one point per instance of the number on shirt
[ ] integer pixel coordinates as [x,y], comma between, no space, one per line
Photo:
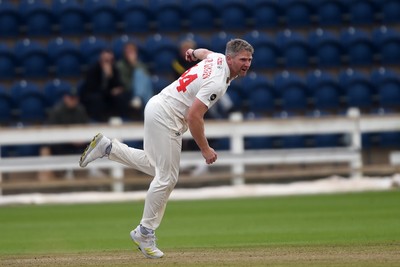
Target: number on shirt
[185,80]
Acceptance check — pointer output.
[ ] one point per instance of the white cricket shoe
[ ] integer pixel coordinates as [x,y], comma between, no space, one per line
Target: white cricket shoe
[146,244]
[96,149]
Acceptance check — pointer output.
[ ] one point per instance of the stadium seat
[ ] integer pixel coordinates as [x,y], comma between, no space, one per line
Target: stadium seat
[235,94]
[33,58]
[358,46]
[6,107]
[325,91]
[295,49]
[91,47]
[136,16]
[361,12]
[218,41]
[261,94]
[266,51]
[70,16]
[390,11]
[358,89]
[329,12]
[169,15]
[54,90]
[162,51]
[387,42]
[8,62]
[327,48]
[293,92]
[298,13]
[30,102]
[203,15]
[266,14]
[65,57]
[159,83]
[10,20]
[234,14]
[38,17]
[388,89]
[102,15]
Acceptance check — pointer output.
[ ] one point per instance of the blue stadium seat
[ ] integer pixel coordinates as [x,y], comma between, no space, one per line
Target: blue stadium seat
[261,94]
[71,17]
[8,62]
[163,51]
[30,101]
[388,88]
[136,16]
[32,57]
[293,92]
[66,57]
[218,41]
[298,13]
[327,48]
[358,89]
[200,41]
[358,46]
[325,90]
[38,17]
[387,42]
[235,94]
[329,12]
[54,90]
[203,15]
[91,48]
[266,51]
[295,49]
[266,14]
[10,20]
[159,83]
[390,11]
[6,107]
[103,16]
[234,14]
[169,15]
[361,12]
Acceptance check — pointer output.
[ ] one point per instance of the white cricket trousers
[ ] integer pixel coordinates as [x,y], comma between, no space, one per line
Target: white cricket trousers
[160,158]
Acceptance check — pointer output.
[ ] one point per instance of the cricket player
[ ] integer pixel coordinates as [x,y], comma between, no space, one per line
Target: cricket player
[179,106]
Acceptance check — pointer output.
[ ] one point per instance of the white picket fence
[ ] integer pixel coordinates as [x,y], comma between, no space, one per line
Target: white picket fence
[236,129]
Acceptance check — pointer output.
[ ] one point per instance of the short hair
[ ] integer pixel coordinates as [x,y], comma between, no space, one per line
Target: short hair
[234,46]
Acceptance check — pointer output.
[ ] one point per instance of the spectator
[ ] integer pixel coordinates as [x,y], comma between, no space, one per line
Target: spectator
[135,79]
[68,112]
[103,94]
[180,65]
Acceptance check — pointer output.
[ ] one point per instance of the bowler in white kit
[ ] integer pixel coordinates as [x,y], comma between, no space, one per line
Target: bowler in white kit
[179,106]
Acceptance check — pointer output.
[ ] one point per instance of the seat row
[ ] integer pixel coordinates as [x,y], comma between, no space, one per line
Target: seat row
[285,94]
[288,49]
[288,94]
[38,18]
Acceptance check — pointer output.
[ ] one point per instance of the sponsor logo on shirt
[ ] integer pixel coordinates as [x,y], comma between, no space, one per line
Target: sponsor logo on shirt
[207,68]
[213,97]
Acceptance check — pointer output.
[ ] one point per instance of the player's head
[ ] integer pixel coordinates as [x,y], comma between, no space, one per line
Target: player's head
[239,54]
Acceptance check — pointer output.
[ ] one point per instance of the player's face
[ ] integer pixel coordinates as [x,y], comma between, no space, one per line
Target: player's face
[240,64]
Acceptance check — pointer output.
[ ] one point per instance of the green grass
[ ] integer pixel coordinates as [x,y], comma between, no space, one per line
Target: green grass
[337,219]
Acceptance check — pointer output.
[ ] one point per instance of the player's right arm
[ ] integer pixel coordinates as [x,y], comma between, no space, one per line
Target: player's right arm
[195,120]
[197,54]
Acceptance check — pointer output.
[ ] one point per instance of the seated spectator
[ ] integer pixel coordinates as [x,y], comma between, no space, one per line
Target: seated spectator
[180,64]
[135,79]
[102,92]
[69,111]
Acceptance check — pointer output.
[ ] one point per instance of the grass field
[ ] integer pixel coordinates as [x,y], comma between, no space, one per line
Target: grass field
[359,229]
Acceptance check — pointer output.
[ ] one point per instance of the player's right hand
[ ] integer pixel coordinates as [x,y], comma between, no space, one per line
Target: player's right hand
[209,155]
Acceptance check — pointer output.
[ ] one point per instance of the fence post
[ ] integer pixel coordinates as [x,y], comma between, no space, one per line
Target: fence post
[237,148]
[356,144]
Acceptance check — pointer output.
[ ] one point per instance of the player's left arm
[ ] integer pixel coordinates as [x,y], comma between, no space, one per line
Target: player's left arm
[197,54]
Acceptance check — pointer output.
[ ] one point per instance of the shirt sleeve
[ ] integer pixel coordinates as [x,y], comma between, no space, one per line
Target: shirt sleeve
[209,93]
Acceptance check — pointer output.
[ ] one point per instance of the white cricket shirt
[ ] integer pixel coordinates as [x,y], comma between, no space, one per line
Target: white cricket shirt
[208,81]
